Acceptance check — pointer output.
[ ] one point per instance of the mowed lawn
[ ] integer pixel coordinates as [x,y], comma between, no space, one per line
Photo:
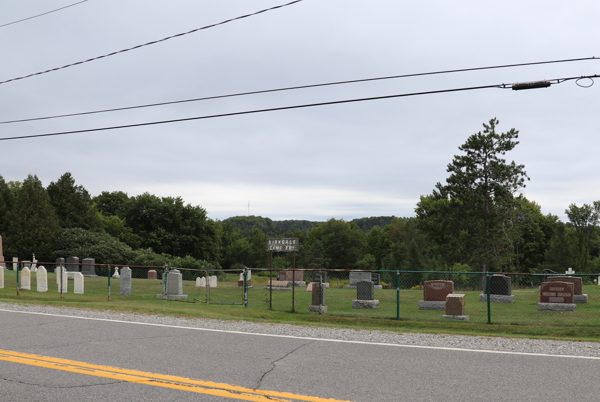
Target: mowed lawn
[226,302]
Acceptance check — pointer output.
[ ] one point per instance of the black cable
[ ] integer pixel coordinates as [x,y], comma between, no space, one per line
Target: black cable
[504,86]
[151,43]
[298,87]
[47,12]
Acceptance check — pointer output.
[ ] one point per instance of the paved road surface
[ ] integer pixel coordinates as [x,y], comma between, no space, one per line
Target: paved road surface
[347,371]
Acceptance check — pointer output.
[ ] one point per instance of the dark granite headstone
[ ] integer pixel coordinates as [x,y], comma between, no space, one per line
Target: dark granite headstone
[375,278]
[88,270]
[365,290]
[500,285]
[319,276]
[59,262]
[73,264]
[316,295]
[576,281]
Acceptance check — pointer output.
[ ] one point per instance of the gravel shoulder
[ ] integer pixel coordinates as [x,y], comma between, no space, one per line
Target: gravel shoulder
[519,345]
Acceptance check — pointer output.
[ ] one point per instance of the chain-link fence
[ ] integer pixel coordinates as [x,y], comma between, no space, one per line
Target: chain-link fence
[516,299]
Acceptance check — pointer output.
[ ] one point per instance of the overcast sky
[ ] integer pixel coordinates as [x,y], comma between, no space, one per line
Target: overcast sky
[345,161]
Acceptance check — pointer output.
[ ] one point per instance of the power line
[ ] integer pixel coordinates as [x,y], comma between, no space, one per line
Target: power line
[503,86]
[299,87]
[47,12]
[152,43]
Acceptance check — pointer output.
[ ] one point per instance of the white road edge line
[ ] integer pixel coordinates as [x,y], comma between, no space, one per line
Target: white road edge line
[309,338]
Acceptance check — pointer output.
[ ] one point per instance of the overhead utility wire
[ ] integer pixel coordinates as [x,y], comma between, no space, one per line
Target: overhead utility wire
[516,86]
[151,43]
[298,87]
[39,15]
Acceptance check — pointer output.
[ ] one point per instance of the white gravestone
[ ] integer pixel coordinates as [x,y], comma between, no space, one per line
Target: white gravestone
[25,279]
[62,279]
[569,271]
[78,282]
[212,281]
[200,282]
[1,277]
[41,279]
[125,284]
[15,263]
[34,264]
[116,274]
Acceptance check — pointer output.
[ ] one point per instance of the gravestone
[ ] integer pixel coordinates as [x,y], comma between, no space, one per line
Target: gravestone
[455,307]
[59,262]
[295,277]
[152,274]
[212,281]
[365,295]
[62,279]
[200,282]
[172,286]
[318,299]
[125,283]
[1,277]
[116,274]
[578,296]
[355,277]
[375,278]
[33,264]
[26,264]
[319,276]
[15,263]
[41,279]
[434,294]
[78,282]
[73,264]
[278,285]
[25,279]
[241,280]
[88,269]
[500,290]
[556,296]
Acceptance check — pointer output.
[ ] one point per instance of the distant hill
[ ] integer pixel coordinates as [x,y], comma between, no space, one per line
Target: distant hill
[286,227]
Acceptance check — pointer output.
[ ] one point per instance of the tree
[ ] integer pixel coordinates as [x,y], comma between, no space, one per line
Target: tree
[73,204]
[471,213]
[6,204]
[584,220]
[115,203]
[32,222]
[342,243]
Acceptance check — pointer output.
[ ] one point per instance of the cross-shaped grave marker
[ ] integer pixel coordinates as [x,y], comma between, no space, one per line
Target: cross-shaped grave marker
[569,271]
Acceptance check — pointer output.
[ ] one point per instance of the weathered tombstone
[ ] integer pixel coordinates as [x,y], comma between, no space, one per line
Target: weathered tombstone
[125,283]
[15,263]
[88,268]
[200,282]
[1,277]
[455,307]
[41,279]
[500,289]
[578,296]
[365,295]
[212,281]
[556,296]
[116,274]
[62,280]
[152,274]
[318,298]
[78,282]
[25,279]
[59,262]
[172,286]
[434,294]
[73,264]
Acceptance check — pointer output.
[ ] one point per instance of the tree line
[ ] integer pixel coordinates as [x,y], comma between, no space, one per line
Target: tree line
[476,221]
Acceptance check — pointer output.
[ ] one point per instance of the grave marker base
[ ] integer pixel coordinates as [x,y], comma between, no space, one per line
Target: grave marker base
[432,305]
[318,309]
[497,298]
[580,299]
[374,287]
[277,288]
[372,304]
[556,306]
[171,297]
[456,317]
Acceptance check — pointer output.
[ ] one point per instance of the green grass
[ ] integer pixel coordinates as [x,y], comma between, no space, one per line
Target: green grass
[520,319]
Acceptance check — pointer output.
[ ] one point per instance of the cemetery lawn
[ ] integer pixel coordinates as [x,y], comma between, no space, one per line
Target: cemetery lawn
[520,319]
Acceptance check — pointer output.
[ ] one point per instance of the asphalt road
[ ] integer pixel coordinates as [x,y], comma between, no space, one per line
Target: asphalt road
[326,369]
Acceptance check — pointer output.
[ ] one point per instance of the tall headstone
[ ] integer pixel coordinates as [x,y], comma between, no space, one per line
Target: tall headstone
[78,279]
[73,264]
[1,277]
[15,263]
[41,279]
[455,307]
[172,286]
[62,279]
[125,285]
[88,268]
[578,296]
[434,294]
[557,296]
[500,289]
[318,298]
[25,279]
[365,295]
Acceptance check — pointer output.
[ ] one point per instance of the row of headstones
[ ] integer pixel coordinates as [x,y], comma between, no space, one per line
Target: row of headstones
[71,263]
[41,279]
[210,282]
[288,278]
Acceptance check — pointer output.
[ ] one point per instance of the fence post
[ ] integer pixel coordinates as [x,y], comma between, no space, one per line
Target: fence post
[18,279]
[109,276]
[489,297]
[270,290]
[293,290]
[397,295]
[245,287]
[206,288]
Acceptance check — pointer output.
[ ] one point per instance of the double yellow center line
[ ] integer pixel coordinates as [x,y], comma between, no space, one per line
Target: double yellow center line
[158,380]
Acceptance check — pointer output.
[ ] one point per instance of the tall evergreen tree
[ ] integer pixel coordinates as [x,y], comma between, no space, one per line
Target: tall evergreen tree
[73,204]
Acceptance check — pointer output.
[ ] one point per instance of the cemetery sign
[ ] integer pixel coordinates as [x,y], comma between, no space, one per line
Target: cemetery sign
[284,244]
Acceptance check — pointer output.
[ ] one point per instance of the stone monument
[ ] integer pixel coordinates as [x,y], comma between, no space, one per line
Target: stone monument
[578,296]
[434,294]
[318,299]
[556,296]
[41,279]
[88,268]
[500,289]
[365,295]
[73,264]
[172,286]
[125,282]
[455,307]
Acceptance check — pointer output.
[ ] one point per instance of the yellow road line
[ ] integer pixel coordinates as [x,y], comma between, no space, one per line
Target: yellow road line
[159,380]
